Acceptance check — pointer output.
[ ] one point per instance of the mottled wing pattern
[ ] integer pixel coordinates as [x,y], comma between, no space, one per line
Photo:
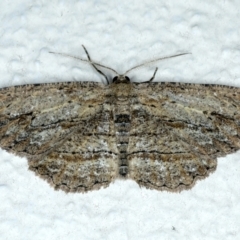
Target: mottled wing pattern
[64,129]
[179,130]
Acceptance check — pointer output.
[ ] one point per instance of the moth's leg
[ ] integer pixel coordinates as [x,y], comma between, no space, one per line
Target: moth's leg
[99,71]
[152,78]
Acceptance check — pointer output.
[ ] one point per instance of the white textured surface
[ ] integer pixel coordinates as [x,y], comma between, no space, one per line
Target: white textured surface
[119,34]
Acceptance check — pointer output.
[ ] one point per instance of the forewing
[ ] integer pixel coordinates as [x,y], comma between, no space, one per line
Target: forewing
[65,130]
[179,130]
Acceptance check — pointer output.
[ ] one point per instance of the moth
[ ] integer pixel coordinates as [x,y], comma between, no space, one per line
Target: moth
[81,136]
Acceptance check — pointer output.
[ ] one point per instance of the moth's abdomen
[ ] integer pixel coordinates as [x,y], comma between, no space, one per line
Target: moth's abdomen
[122,124]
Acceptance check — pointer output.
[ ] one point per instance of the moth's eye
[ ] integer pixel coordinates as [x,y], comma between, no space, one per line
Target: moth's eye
[127,78]
[115,79]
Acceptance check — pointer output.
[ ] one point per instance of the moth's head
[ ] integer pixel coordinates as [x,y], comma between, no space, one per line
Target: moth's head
[121,79]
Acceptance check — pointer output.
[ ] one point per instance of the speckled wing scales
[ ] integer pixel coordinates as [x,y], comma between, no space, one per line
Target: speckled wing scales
[179,130]
[82,136]
[64,129]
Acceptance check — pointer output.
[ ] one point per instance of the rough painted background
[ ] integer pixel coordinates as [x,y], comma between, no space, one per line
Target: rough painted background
[119,34]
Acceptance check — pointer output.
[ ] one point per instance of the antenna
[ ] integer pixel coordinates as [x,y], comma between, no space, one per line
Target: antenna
[94,64]
[152,61]
[90,62]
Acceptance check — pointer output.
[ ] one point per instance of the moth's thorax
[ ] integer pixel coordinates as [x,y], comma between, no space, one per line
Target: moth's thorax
[121,96]
[121,90]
